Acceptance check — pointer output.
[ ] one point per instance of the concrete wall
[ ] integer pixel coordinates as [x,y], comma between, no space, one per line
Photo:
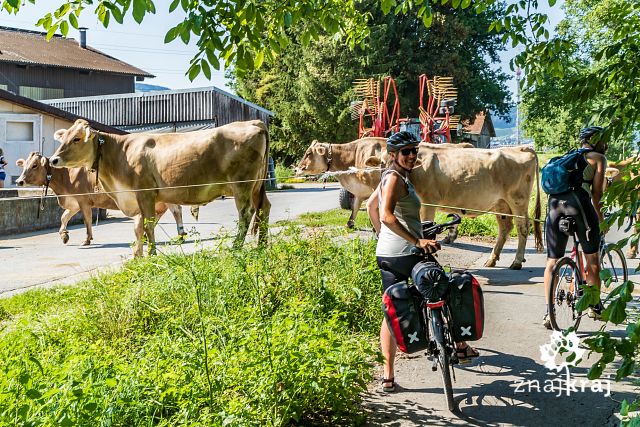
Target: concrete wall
[21,215]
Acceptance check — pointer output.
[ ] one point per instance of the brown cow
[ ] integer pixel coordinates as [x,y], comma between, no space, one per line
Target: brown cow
[190,168]
[78,184]
[615,172]
[480,179]
[323,157]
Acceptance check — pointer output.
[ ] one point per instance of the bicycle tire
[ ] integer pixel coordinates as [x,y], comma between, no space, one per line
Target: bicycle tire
[613,259]
[563,295]
[443,358]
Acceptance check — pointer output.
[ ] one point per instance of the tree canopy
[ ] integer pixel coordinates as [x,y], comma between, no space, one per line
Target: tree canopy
[310,88]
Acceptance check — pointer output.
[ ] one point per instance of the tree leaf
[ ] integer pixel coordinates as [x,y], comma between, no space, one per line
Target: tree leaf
[194,70]
[73,21]
[205,69]
[139,10]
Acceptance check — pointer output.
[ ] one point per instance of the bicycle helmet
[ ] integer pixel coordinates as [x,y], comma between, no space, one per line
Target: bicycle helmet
[400,140]
[588,132]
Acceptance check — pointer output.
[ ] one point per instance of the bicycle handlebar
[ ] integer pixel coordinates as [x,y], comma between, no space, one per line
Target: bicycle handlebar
[439,228]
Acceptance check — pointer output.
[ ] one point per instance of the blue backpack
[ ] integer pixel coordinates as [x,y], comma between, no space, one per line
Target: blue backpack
[564,173]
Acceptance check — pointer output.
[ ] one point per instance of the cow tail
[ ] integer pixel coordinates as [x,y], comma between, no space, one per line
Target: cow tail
[263,206]
[537,227]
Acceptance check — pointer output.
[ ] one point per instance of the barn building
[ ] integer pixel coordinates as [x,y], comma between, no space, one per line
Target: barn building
[480,131]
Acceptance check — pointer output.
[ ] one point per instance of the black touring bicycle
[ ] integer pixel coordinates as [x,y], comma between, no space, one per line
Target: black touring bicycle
[434,310]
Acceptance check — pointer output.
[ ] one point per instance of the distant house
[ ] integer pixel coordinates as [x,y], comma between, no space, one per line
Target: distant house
[480,131]
[60,68]
[27,125]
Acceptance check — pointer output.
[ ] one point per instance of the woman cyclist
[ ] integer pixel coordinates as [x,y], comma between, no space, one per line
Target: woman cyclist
[394,209]
[584,204]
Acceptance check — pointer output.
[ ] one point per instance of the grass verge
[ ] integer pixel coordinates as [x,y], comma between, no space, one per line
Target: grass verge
[255,337]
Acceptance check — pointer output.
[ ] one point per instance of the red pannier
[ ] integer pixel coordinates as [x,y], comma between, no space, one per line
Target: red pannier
[402,306]
[466,305]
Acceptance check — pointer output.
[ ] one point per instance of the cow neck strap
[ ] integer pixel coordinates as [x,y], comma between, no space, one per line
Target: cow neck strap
[329,158]
[47,181]
[96,163]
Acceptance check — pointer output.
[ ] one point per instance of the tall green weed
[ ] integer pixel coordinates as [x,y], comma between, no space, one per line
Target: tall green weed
[255,337]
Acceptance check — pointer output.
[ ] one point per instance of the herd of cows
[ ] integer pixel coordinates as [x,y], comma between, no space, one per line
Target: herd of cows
[144,175]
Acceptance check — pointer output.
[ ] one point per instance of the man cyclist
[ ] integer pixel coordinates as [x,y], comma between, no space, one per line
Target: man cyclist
[584,204]
[394,209]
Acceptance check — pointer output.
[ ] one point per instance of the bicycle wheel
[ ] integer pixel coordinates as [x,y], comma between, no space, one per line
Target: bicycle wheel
[563,295]
[613,260]
[443,357]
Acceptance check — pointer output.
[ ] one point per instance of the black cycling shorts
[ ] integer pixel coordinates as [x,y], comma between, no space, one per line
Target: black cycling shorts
[567,205]
[396,269]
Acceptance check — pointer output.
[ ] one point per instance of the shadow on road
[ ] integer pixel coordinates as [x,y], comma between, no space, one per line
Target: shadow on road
[509,390]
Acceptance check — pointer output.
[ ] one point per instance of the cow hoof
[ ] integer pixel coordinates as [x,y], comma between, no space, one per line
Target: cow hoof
[64,237]
[447,241]
[516,266]
[490,263]
[86,243]
[351,224]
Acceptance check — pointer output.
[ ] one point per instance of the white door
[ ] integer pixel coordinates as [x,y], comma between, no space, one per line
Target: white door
[20,134]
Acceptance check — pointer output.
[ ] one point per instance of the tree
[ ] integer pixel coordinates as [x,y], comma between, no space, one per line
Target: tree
[310,88]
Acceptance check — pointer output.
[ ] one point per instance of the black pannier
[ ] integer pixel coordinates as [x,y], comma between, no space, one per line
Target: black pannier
[431,280]
[466,304]
[402,306]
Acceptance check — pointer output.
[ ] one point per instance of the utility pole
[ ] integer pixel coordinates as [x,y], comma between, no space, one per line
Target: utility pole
[518,73]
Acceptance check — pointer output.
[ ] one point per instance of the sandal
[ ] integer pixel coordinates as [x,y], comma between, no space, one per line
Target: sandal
[391,388]
[464,355]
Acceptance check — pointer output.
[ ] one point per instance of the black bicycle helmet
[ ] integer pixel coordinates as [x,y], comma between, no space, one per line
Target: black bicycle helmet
[588,132]
[400,140]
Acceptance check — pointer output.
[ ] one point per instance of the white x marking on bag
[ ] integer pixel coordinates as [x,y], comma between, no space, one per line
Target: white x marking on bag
[414,337]
[465,331]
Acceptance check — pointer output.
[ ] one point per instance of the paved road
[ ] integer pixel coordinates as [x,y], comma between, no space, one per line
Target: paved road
[40,258]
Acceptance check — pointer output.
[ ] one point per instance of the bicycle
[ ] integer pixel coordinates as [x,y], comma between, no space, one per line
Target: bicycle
[441,348]
[569,271]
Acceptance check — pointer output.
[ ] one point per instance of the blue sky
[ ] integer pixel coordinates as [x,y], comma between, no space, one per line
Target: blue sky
[143,45]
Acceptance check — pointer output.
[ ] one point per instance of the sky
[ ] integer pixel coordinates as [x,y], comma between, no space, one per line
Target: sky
[143,45]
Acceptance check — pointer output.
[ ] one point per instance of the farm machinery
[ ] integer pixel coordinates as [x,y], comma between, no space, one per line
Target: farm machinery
[378,109]
[378,113]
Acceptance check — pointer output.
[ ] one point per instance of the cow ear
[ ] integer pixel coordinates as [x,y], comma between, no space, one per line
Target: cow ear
[417,164]
[321,150]
[373,162]
[87,133]
[43,161]
[58,135]
[314,142]
[20,162]
[611,172]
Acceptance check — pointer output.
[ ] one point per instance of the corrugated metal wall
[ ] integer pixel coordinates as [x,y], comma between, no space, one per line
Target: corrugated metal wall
[164,107]
[74,82]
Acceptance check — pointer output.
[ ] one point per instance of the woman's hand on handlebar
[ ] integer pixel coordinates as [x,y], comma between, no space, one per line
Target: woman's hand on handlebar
[429,246]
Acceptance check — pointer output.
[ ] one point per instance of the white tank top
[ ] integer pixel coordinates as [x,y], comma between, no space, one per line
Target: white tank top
[407,211]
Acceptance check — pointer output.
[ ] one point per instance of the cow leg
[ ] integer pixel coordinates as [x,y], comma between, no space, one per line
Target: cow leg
[176,210]
[245,213]
[87,216]
[147,210]
[64,220]
[355,208]
[195,211]
[633,248]
[504,227]
[138,224]
[522,225]
[452,235]
[427,213]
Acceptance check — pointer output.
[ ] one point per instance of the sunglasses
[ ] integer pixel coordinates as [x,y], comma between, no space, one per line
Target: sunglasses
[407,151]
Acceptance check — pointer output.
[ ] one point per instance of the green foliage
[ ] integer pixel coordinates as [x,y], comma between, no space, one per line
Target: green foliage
[310,88]
[254,337]
[333,218]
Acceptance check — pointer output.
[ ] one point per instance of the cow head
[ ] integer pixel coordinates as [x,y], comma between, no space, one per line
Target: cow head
[315,160]
[34,170]
[78,146]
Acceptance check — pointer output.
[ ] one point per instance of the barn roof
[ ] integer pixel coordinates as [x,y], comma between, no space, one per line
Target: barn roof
[26,47]
[53,111]
[475,128]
